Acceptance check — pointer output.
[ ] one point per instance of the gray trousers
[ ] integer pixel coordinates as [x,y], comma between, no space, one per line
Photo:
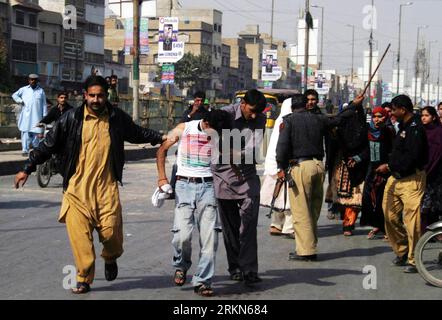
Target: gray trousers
[239,219]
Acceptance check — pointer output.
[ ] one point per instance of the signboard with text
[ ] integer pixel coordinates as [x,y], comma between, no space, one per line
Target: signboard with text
[270,69]
[170,50]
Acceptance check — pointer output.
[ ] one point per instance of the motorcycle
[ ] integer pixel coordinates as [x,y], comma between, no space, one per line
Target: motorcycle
[428,255]
[48,169]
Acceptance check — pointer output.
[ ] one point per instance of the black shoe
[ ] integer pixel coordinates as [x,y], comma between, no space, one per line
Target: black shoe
[110,271]
[410,269]
[25,154]
[294,257]
[289,235]
[400,261]
[251,278]
[237,276]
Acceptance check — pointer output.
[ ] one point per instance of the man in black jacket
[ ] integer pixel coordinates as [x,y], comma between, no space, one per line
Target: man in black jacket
[57,111]
[90,140]
[405,188]
[301,146]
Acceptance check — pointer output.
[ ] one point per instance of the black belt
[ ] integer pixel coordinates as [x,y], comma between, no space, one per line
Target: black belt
[194,180]
[299,160]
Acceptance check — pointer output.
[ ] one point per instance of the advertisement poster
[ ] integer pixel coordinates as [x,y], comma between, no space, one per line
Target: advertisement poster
[170,50]
[270,69]
[168,74]
[129,36]
[322,82]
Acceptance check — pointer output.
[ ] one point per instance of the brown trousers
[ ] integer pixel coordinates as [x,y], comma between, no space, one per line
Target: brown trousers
[80,231]
[305,203]
[403,196]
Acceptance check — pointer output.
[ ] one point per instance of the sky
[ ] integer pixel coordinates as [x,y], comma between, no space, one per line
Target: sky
[337,36]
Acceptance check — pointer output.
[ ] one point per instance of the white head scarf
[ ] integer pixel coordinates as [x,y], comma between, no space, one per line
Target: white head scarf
[270,165]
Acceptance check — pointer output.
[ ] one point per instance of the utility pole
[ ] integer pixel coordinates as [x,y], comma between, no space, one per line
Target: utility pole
[370,63]
[322,35]
[271,24]
[135,63]
[307,41]
[399,44]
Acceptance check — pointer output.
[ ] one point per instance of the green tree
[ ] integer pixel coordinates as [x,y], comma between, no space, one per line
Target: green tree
[192,69]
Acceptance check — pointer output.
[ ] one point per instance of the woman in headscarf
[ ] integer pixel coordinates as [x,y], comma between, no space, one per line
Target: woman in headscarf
[432,200]
[282,223]
[380,139]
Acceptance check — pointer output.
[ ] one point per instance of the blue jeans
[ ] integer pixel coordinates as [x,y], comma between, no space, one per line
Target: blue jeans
[195,205]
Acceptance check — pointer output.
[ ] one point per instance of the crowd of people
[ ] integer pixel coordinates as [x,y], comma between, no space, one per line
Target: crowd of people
[389,170]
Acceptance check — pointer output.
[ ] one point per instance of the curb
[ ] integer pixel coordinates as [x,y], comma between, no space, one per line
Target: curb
[12,167]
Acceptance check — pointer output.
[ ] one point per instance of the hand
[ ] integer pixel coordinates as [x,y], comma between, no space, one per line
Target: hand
[40,125]
[162,182]
[351,163]
[359,99]
[20,177]
[383,168]
[281,175]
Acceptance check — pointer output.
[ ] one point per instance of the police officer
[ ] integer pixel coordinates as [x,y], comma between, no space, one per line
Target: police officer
[405,187]
[301,146]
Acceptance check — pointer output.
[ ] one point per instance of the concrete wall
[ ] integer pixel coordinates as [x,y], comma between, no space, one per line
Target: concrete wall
[24,34]
[52,5]
[94,14]
[93,43]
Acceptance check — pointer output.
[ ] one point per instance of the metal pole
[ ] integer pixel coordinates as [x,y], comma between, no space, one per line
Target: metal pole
[271,25]
[322,38]
[135,63]
[307,40]
[370,63]
[399,50]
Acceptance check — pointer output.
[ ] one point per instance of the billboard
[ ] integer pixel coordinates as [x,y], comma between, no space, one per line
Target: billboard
[270,69]
[129,36]
[168,73]
[170,50]
[323,80]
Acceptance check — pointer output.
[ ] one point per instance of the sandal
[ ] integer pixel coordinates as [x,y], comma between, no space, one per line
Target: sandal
[82,287]
[348,233]
[373,234]
[179,277]
[203,290]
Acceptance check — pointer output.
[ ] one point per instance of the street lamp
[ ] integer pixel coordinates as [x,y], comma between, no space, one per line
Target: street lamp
[322,33]
[399,45]
[352,50]
[417,62]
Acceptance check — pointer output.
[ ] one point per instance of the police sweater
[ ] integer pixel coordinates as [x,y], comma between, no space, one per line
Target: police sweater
[410,149]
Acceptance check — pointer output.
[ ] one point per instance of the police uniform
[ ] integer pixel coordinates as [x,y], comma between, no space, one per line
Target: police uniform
[301,145]
[405,188]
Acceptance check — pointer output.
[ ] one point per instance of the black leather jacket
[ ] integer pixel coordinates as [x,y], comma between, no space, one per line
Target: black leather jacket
[64,139]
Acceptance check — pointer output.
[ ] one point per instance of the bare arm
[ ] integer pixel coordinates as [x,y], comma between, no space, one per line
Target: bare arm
[172,138]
